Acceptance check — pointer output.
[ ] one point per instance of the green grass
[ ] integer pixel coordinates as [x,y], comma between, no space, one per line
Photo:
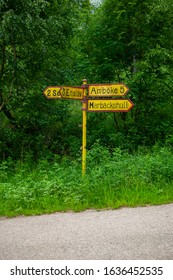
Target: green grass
[111,181]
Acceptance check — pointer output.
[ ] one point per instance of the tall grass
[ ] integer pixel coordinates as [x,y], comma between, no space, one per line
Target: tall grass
[111,181]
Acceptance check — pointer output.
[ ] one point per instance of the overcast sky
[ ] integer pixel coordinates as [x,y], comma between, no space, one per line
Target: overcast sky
[95,1]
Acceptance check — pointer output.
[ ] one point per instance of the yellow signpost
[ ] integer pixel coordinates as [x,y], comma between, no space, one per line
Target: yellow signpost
[109,105]
[52,92]
[72,92]
[85,94]
[106,90]
[84,123]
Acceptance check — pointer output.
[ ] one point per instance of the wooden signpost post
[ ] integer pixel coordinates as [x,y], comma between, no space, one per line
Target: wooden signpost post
[88,94]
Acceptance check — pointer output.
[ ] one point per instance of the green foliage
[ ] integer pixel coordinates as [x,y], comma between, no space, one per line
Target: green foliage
[131,42]
[111,181]
[36,43]
[52,42]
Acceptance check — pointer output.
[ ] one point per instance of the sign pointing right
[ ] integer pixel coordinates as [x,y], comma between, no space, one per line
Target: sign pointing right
[109,105]
[106,90]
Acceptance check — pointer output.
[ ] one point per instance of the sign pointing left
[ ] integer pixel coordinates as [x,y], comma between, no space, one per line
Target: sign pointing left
[64,92]
[53,92]
[72,92]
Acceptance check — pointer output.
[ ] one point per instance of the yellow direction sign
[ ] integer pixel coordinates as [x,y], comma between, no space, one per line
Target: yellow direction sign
[109,105]
[72,92]
[107,90]
[52,92]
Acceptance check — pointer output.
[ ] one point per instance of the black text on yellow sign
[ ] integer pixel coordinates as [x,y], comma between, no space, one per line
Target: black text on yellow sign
[52,92]
[101,90]
[72,92]
[109,105]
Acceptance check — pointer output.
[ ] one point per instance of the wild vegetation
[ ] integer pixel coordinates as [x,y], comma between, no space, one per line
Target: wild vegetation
[112,181]
[61,42]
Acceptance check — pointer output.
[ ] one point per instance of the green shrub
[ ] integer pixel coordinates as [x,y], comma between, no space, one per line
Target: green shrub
[112,180]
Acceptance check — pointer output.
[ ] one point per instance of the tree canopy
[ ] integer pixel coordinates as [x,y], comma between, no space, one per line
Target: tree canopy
[131,42]
[56,42]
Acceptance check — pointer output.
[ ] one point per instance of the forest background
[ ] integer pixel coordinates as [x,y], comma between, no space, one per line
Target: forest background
[61,42]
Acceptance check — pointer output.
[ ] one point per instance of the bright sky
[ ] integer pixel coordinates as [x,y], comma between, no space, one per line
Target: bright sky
[95,1]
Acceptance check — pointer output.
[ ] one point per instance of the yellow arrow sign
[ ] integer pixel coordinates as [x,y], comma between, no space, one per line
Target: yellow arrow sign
[52,92]
[107,90]
[109,105]
[72,92]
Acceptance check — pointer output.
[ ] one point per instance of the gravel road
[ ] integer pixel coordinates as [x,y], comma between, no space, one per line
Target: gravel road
[123,234]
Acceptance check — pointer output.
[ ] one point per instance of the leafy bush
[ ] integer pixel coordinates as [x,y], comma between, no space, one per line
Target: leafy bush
[111,180]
